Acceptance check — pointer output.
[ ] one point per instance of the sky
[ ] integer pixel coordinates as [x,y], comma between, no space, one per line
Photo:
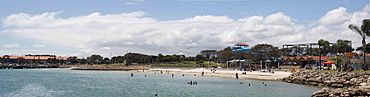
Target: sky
[115,27]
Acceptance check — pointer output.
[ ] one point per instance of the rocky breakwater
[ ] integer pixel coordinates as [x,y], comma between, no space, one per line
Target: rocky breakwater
[335,83]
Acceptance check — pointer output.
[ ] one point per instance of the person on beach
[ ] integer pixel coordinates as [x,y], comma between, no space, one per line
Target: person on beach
[132,75]
[202,73]
[236,75]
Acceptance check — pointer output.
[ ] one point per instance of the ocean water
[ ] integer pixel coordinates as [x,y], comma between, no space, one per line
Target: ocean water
[70,83]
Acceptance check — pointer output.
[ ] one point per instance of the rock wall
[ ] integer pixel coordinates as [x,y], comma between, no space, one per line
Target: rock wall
[337,83]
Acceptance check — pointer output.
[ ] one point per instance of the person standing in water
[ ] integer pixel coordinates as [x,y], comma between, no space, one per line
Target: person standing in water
[202,73]
[132,75]
[236,76]
[173,75]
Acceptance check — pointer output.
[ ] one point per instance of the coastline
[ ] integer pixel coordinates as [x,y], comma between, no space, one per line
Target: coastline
[256,75]
[344,84]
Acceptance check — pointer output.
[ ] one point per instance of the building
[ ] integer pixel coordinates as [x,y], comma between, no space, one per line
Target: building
[303,61]
[209,53]
[40,59]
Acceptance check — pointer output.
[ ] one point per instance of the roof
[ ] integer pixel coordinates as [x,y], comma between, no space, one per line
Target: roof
[305,58]
[241,44]
[36,57]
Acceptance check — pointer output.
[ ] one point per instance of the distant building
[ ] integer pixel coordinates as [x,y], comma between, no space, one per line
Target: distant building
[33,58]
[209,53]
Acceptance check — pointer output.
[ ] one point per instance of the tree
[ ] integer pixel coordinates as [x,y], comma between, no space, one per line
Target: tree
[367,48]
[1,60]
[324,46]
[72,60]
[342,46]
[95,59]
[138,58]
[118,59]
[160,58]
[364,31]
[264,52]
[106,61]
[226,54]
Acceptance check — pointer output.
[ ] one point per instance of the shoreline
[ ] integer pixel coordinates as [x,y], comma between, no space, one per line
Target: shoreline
[256,75]
[334,83]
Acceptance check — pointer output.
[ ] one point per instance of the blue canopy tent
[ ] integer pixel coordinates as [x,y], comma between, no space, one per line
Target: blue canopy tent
[241,47]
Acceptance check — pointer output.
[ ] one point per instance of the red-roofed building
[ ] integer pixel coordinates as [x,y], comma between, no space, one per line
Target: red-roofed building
[42,59]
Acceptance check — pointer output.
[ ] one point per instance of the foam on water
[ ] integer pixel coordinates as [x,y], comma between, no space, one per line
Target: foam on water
[32,90]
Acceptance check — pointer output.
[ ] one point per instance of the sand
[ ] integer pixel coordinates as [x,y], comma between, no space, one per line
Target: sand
[258,75]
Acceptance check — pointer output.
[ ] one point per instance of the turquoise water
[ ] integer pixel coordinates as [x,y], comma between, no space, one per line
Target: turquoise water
[68,83]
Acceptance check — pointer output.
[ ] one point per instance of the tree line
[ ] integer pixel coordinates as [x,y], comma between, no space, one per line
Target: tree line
[257,53]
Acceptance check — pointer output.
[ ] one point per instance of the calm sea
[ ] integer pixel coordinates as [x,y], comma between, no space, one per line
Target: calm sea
[68,83]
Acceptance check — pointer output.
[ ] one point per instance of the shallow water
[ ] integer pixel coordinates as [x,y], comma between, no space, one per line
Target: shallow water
[68,83]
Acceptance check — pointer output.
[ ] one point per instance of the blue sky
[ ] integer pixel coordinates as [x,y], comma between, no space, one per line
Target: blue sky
[177,9]
[306,13]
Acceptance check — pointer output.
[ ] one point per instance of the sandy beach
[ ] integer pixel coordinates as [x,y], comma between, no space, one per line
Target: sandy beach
[258,75]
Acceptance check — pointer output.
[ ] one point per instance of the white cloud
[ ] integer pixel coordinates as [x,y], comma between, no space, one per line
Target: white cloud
[207,18]
[39,45]
[14,45]
[278,19]
[133,2]
[336,16]
[97,33]
[130,3]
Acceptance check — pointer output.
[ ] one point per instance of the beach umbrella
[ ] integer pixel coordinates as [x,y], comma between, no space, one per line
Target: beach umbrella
[329,62]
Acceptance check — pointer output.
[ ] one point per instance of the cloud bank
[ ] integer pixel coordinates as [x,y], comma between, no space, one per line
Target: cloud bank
[98,33]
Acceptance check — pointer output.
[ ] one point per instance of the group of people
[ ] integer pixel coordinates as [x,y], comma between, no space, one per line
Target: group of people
[193,83]
[250,84]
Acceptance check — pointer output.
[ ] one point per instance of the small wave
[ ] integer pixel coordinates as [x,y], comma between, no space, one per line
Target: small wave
[31,90]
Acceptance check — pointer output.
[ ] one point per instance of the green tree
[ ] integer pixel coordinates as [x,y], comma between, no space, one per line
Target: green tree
[323,49]
[95,59]
[367,48]
[264,52]
[364,31]
[324,46]
[106,61]
[72,60]
[118,59]
[342,46]
[226,54]
[1,60]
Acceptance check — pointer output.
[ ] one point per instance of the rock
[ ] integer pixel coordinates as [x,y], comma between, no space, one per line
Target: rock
[358,83]
[364,86]
[337,85]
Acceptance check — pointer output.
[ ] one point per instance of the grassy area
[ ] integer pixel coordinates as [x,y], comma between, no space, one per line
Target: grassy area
[210,64]
[178,64]
[361,71]
[189,64]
